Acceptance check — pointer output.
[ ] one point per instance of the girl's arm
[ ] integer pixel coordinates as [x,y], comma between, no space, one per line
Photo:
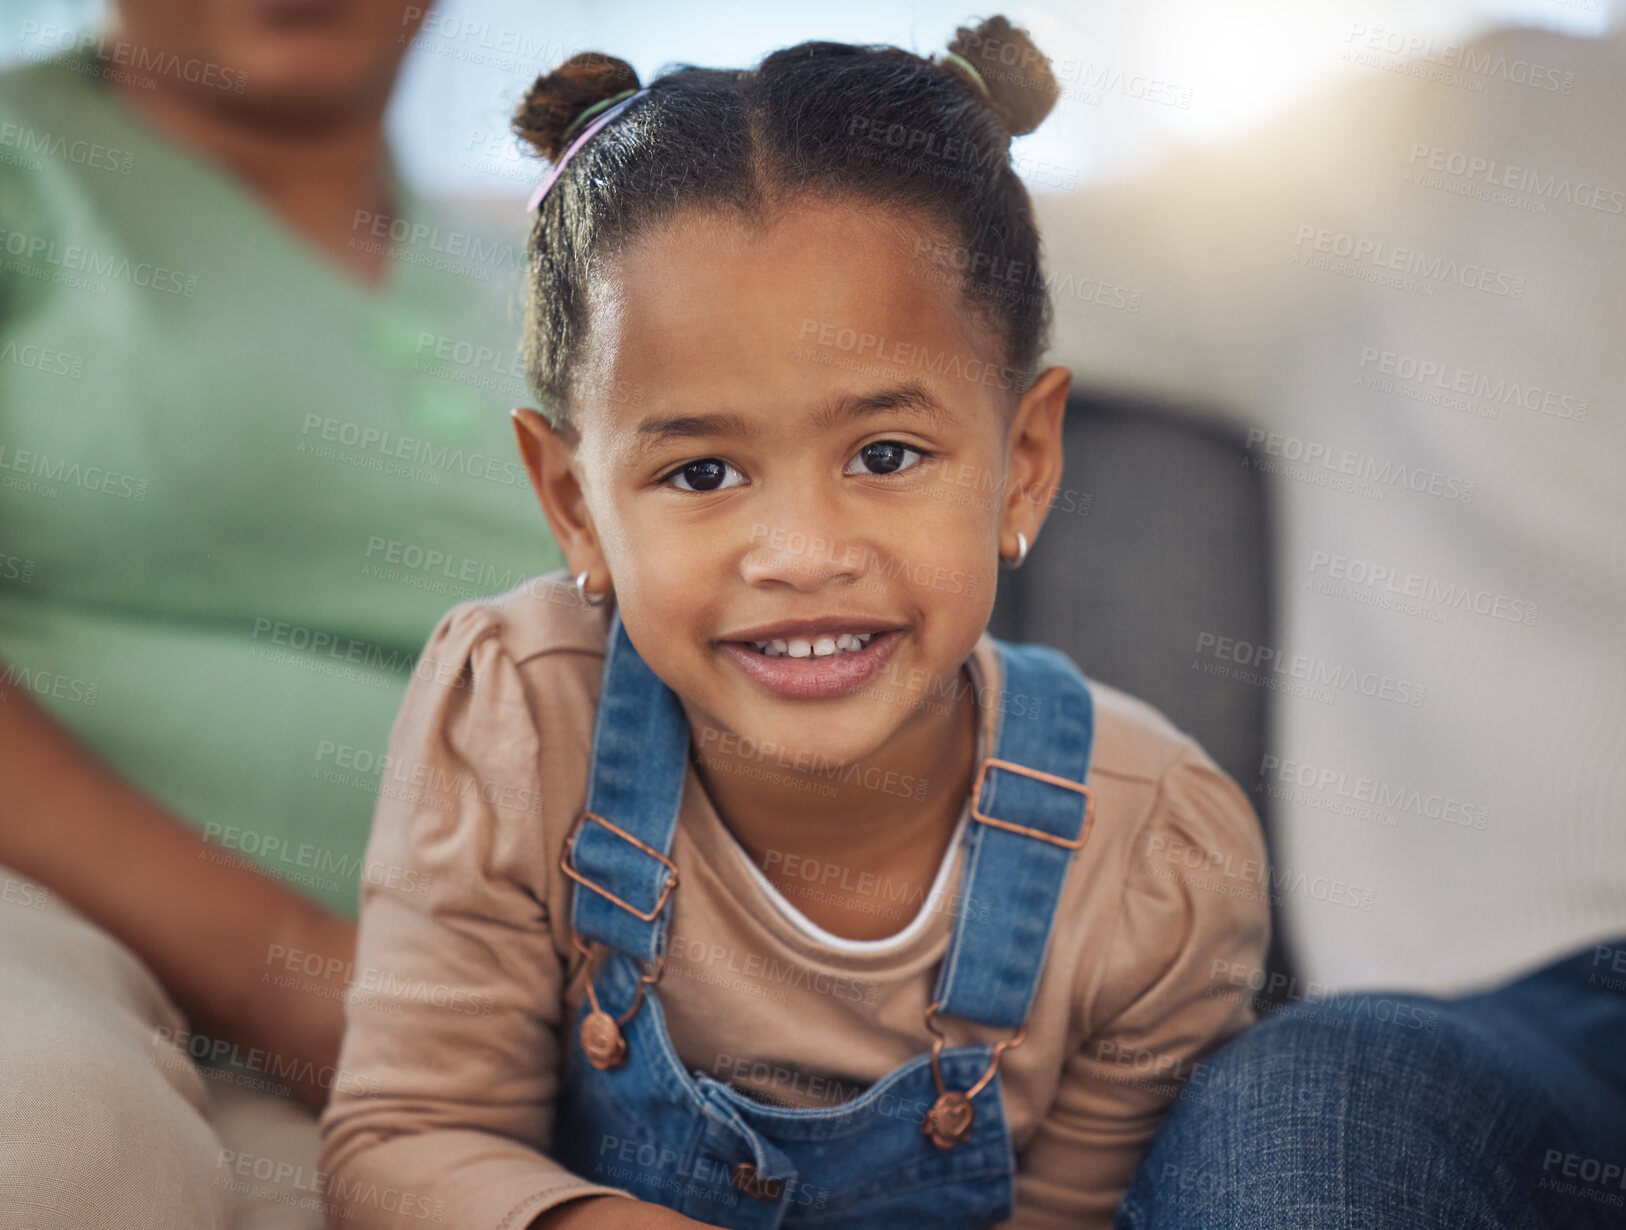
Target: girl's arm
[1184,941]
[452,1060]
[205,928]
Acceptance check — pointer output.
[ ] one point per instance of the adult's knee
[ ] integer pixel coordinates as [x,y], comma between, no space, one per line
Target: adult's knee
[103,1116]
[106,1141]
[1390,1109]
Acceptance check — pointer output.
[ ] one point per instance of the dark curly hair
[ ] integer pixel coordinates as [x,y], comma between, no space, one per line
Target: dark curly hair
[827,121]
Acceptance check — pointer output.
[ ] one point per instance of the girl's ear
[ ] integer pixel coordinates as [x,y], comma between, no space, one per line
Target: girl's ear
[553,477]
[1035,457]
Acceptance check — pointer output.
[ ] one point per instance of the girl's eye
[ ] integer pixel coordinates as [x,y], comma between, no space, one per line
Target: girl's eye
[887,457]
[707,474]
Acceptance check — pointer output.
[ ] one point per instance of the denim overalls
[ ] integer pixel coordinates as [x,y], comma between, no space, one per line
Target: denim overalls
[631,1116]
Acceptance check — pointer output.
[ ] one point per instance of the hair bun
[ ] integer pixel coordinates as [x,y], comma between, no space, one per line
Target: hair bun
[1021,87]
[555,99]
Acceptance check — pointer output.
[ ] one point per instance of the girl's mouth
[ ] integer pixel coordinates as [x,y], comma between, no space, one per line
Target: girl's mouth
[811,667]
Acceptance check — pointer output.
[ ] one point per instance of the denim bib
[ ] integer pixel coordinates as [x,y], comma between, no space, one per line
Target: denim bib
[928,1144]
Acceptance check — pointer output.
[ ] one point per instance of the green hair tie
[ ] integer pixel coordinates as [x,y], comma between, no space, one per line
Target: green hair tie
[956,58]
[590,112]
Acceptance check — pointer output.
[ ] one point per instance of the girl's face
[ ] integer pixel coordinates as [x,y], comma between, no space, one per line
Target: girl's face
[794,433]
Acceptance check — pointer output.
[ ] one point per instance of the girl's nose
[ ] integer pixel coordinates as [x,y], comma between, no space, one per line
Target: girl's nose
[803,559]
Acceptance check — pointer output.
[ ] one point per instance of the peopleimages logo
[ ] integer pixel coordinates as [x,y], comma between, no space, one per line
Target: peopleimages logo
[78,151]
[134,57]
[462,245]
[1385,472]
[762,970]
[241,1168]
[858,343]
[1375,254]
[463,38]
[59,470]
[49,683]
[428,568]
[1371,45]
[991,270]
[1277,669]
[1493,173]
[367,443]
[83,268]
[1494,391]
[42,359]
[1426,590]
[1356,788]
[871,777]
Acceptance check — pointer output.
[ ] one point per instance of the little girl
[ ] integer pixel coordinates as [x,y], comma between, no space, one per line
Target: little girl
[746,880]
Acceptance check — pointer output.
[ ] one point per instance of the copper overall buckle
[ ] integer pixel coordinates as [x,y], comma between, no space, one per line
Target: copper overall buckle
[671,868]
[602,1040]
[994,762]
[950,1118]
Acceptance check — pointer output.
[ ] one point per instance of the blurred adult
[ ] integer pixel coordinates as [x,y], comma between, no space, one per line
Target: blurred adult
[252,388]
[1408,293]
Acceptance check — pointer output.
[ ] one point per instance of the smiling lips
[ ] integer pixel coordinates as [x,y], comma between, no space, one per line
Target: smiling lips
[815,658]
[802,638]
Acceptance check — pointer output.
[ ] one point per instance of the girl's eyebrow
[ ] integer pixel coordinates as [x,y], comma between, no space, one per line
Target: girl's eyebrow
[910,398]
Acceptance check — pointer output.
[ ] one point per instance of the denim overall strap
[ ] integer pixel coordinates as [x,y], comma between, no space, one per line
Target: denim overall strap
[640,760]
[1047,726]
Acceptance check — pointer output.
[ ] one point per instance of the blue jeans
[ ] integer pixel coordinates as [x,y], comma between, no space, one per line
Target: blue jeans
[1372,1112]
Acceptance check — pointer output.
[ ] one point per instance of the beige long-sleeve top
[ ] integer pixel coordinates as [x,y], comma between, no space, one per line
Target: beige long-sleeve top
[443,1105]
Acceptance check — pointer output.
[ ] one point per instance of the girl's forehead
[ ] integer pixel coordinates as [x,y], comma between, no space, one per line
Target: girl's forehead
[811,250]
[715,306]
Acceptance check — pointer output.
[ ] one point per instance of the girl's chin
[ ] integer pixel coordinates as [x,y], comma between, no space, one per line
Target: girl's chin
[853,741]
[790,741]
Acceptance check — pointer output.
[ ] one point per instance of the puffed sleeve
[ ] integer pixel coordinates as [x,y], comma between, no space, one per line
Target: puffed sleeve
[442,1106]
[1195,910]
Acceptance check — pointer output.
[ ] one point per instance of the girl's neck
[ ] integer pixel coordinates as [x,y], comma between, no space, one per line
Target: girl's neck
[852,825]
[317,180]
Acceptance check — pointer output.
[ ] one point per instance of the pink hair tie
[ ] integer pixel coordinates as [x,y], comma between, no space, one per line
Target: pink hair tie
[614,108]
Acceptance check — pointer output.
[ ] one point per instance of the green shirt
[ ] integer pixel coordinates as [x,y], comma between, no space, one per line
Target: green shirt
[238,487]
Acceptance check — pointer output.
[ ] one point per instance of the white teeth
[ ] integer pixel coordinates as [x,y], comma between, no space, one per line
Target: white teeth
[813,647]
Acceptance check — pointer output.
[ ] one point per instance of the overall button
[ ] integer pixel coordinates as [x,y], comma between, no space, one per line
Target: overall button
[602,1041]
[949,1120]
[745,1178]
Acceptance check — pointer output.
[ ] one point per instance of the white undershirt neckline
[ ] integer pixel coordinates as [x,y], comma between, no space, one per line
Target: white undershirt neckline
[818,934]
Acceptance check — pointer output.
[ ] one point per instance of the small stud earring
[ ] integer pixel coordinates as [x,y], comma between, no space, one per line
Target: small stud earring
[1021,552]
[581,591]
